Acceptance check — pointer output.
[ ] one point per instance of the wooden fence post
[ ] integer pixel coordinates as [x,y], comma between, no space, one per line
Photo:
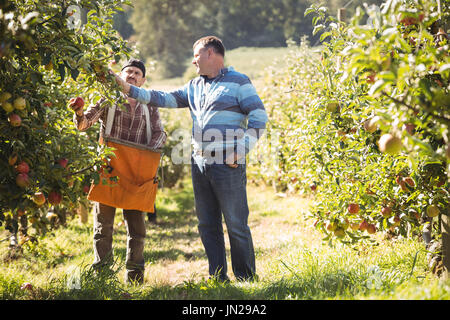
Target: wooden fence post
[341,14]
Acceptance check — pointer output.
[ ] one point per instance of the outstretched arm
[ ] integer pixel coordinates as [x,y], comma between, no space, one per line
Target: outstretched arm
[159,99]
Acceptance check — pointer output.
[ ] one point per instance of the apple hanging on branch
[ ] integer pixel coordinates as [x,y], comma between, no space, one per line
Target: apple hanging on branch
[386,212]
[39,199]
[23,180]
[54,198]
[390,144]
[432,211]
[23,167]
[15,120]
[353,208]
[63,162]
[20,103]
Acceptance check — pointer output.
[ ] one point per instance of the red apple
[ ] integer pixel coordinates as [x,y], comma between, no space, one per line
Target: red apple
[26,286]
[371,228]
[76,103]
[15,120]
[54,198]
[22,167]
[386,212]
[371,78]
[39,199]
[86,188]
[63,162]
[408,20]
[353,208]
[363,225]
[403,186]
[313,187]
[409,127]
[409,181]
[22,180]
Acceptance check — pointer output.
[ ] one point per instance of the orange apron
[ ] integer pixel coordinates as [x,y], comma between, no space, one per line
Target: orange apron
[137,183]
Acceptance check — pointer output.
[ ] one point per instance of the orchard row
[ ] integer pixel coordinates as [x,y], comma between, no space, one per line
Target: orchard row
[364,121]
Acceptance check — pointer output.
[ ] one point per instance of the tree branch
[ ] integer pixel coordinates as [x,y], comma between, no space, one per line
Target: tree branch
[397,101]
[81,171]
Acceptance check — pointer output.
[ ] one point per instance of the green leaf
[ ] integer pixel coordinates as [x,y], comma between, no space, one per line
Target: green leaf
[309,11]
[318,28]
[62,71]
[425,85]
[74,73]
[444,68]
[387,76]
[325,35]
[46,58]
[377,87]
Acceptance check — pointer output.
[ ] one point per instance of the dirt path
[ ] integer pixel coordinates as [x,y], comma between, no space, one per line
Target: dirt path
[178,254]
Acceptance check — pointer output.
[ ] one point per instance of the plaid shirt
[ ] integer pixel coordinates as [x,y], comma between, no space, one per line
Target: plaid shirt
[129,125]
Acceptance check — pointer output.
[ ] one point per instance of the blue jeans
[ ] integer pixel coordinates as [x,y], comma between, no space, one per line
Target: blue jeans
[222,189]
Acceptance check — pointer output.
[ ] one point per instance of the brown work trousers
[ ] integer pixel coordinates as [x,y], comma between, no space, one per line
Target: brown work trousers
[103,239]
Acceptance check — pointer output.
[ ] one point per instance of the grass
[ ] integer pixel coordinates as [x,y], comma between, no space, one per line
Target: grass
[292,261]
[248,60]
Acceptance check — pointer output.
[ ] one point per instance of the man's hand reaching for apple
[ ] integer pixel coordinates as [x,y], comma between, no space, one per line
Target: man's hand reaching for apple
[125,86]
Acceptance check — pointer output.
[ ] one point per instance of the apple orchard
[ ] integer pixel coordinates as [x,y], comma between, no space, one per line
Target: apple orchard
[52,54]
[363,120]
[363,123]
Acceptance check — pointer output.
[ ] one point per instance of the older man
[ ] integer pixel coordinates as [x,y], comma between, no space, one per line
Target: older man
[228,118]
[136,127]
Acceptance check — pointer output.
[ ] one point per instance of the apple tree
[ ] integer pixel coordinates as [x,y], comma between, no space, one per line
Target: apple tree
[364,121]
[51,51]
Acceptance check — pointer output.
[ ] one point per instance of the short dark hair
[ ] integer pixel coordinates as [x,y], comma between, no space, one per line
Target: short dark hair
[135,63]
[211,42]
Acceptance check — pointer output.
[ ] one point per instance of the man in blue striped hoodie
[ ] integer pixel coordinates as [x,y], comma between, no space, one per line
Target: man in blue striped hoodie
[228,119]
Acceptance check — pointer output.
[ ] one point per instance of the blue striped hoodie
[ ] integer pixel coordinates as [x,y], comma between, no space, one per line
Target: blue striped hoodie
[227,113]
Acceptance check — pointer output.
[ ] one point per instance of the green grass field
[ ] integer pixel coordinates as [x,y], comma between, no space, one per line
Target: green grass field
[292,260]
[248,60]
